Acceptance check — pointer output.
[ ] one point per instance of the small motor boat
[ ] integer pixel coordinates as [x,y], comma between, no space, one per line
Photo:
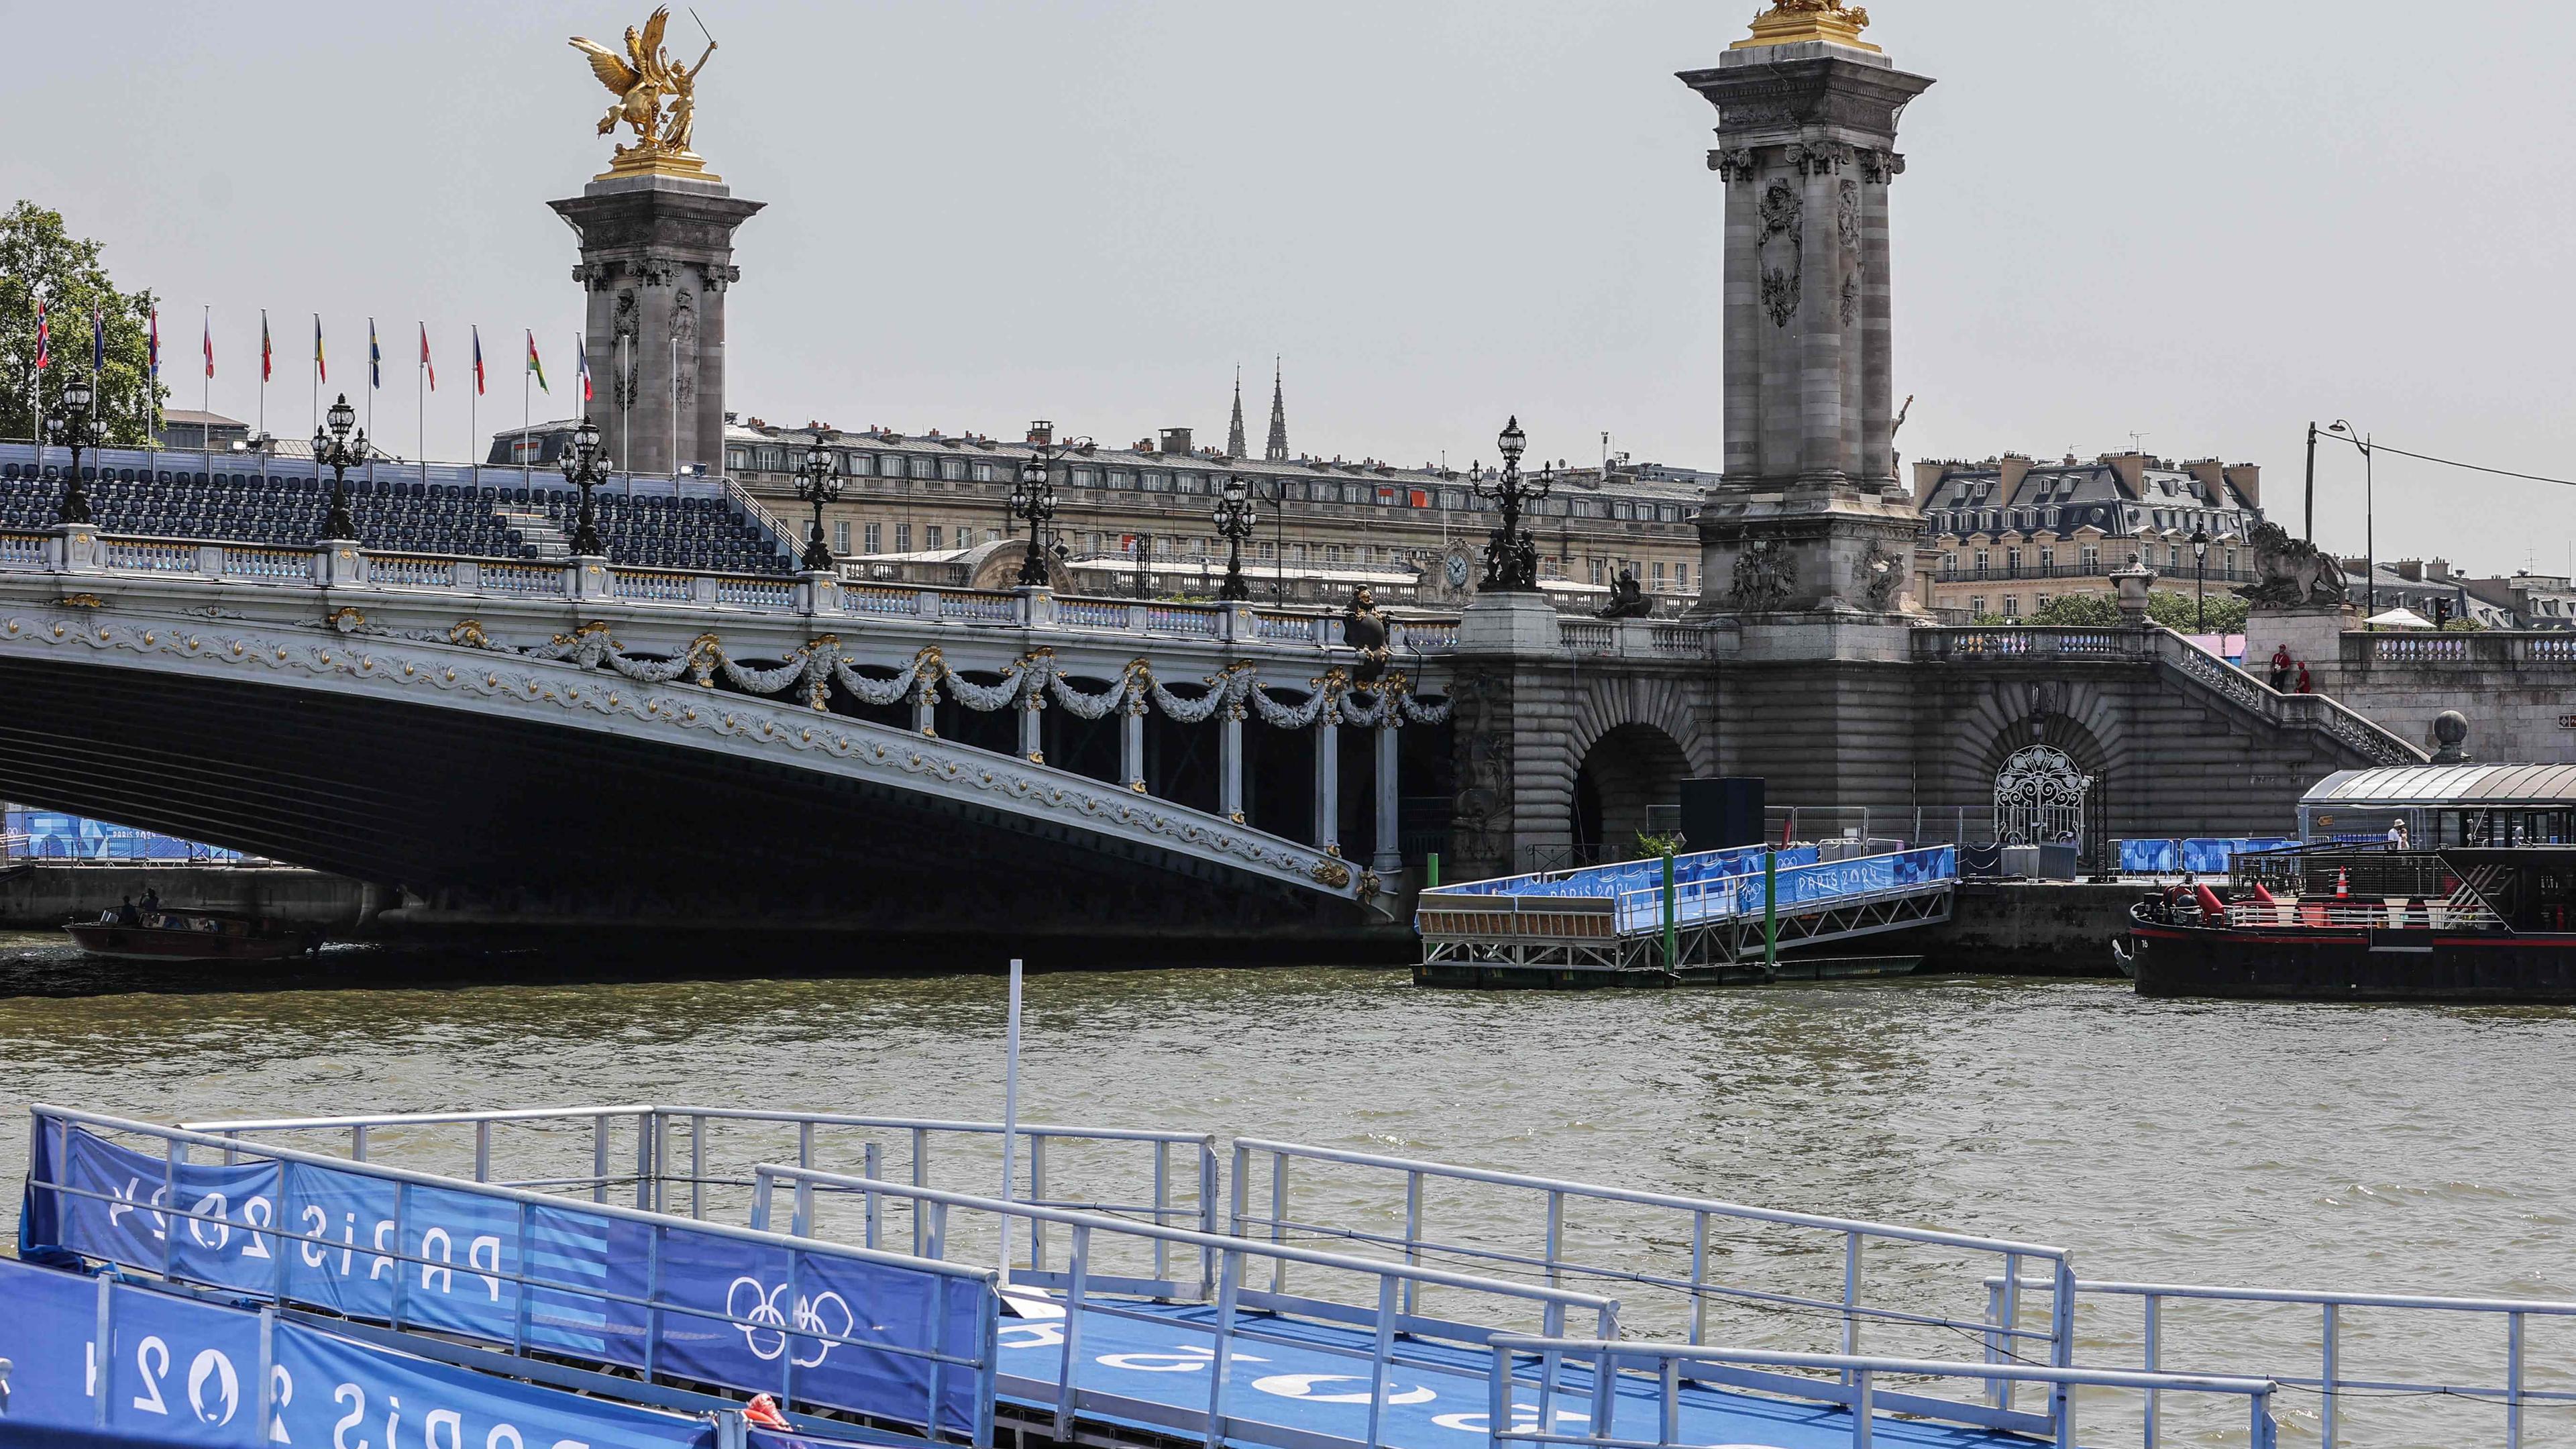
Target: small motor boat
[172,934]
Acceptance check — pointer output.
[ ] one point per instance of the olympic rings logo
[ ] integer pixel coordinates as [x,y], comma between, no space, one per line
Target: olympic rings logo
[765,1324]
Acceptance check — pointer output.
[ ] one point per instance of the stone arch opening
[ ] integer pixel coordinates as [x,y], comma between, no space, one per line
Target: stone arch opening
[1628,770]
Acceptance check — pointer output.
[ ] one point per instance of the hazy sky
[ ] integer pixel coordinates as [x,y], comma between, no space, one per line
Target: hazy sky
[2206,221]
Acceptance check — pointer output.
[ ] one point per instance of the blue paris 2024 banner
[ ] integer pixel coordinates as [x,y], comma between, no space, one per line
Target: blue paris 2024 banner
[812,1323]
[101,1363]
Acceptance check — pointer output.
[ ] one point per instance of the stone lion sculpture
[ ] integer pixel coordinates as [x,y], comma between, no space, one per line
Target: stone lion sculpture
[2290,572]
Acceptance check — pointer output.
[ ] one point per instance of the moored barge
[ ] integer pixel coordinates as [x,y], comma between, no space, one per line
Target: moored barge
[2423,883]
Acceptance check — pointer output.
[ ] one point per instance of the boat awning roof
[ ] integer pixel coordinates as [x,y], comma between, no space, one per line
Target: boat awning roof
[2525,786]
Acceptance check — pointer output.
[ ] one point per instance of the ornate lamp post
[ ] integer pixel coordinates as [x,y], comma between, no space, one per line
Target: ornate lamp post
[2369,514]
[73,424]
[336,450]
[585,467]
[2200,580]
[1033,499]
[1033,503]
[1235,520]
[1511,558]
[817,484]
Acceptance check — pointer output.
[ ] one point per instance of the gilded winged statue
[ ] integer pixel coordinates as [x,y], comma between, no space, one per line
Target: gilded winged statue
[646,81]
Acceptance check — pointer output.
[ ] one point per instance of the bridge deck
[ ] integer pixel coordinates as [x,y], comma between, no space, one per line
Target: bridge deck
[1144,1364]
[1719,909]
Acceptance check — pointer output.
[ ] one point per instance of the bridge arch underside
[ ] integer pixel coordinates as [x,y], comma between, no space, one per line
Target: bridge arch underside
[501,819]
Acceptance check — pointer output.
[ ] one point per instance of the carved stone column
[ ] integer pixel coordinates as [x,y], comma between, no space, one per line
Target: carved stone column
[657,260]
[1809,519]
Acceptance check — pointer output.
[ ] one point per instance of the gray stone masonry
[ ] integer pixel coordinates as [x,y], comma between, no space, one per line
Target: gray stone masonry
[657,259]
[1810,517]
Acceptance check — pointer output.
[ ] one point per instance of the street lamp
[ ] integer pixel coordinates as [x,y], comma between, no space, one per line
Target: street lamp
[2369,516]
[817,484]
[74,425]
[1235,520]
[585,468]
[2200,580]
[1511,556]
[1033,499]
[338,451]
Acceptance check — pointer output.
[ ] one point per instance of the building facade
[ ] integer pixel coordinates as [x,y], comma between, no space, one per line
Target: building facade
[2005,536]
[1139,518]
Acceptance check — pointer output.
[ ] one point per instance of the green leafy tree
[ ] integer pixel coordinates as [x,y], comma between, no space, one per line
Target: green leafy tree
[41,260]
[2176,612]
[2078,611]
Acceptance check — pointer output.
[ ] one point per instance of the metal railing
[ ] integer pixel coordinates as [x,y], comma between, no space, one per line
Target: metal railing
[1853,1388]
[537,1243]
[1849,881]
[1392,1289]
[1996,1325]
[682,1162]
[2331,1381]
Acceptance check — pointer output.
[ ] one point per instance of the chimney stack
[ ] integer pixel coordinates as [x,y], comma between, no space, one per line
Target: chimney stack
[1042,433]
[1176,442]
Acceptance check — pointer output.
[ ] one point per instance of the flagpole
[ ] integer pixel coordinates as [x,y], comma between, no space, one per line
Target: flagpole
[375,379]
[206,387]
[524,481]
[1010,1118]
[625,413]
[473,405]
[420,400]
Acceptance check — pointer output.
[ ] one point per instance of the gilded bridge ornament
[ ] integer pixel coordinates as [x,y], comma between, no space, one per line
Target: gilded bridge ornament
[1788,22]
[655,95]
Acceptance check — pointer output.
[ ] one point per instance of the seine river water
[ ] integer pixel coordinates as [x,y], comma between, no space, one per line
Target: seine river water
[2390,1148]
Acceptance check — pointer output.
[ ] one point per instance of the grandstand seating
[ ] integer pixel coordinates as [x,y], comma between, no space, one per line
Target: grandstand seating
[700,533]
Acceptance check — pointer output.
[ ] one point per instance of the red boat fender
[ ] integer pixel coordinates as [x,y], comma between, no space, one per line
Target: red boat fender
[2211,908]
[762,1412]
[2264,896]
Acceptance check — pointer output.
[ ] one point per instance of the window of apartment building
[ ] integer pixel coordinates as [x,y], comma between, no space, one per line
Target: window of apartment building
[769,460]
[2231,563]
[1596,571]
[1191,482]
[2092,559]
[1296,553]
[1977,605]
[858,465]
[1086,477]
[1452,498]
[931,536]
[2173,555]
[2012,562]
[1332,553]
[1981,563]
[1158,482]
[2047,560]
[1950,563]
[1681,577]
[1669,512]
[987,473]
[2039,603]
[1098,542]
[2012,606]
[841,537]
[1659,576]
[737,459]
[1269,551]
[953,469]
[925,467]
[1121,478]
[903,538]
[873,537]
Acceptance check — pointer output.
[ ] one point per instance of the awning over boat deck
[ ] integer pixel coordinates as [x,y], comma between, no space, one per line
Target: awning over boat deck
[2450,786]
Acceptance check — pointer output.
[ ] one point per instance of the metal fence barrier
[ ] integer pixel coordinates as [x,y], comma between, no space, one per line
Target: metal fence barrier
[1854,1388]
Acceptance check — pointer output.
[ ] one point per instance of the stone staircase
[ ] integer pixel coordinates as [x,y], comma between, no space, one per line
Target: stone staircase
[533,524]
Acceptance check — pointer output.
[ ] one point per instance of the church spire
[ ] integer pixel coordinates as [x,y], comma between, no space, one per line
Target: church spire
[1277,452]
[1234,436]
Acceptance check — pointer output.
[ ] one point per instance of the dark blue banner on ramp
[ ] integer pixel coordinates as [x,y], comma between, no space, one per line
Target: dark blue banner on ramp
[809,1322]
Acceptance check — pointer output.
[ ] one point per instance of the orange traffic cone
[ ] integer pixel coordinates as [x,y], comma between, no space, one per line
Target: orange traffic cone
[2343,885]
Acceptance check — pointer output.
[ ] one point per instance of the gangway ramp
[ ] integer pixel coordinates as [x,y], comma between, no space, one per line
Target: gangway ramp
[1723,908]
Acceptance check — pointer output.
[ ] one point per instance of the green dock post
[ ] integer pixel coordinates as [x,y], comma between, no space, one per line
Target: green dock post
[1771,908]
[1431,871]
[1672,925]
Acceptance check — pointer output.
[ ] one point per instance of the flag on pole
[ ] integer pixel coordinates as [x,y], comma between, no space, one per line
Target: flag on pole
[97,343]
[210,342]
[44,339]
[537,365]
[153,348]
[478,362]
[581,354]
[375,357]
[267,354]
[426,365]
[321,369]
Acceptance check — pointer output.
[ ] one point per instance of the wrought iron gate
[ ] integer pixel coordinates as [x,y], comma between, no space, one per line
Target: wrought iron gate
[2039,798]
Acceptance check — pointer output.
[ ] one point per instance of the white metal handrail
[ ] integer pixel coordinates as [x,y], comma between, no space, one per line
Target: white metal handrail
[1999,1330]
[2330,1381]
[1392,1324]
[1854,1389]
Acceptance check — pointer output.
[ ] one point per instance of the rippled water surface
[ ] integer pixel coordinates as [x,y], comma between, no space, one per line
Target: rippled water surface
[2411,1148]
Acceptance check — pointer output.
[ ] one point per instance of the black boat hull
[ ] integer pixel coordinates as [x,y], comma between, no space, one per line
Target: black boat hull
[2379,965]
